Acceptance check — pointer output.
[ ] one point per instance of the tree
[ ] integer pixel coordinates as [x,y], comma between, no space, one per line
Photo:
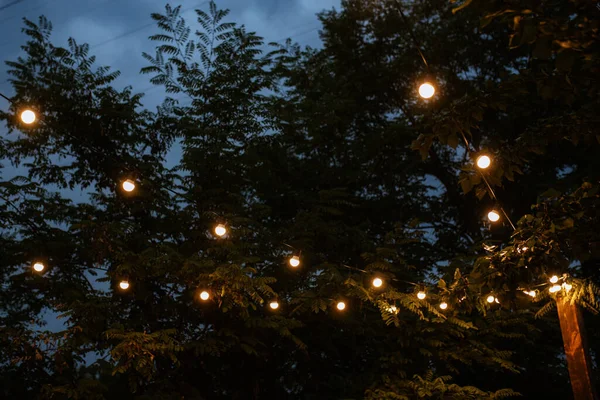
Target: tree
[306,152]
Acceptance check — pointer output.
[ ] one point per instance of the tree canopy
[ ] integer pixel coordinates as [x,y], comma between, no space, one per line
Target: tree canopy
[327,154]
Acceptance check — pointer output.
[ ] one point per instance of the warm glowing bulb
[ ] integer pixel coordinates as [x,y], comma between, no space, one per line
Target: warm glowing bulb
[554,288]
[493,216]
[554,279]
[341,305]
[274,305]
[532,293]
[28,117]
[295,261]
[204,295]
[421,295]
[567,286]
[444,305]
[220,230]
[393,309]
[38,266]
[128,185]
[124,285]
[377,282]
[483,162]
[491,299]
[426,90]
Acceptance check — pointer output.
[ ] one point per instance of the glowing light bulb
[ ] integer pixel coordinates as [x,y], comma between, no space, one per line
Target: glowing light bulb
[554,279]
[274,305]
[483,162]
[377,282]
[493,216]
[38,266]
[128,185]
[421,295]
[393,309]
[490,299]
[567,286]
[220,230]
[28,117]
[532,293]
[555,289]
[443,305]
[341,306]
[204,295]
[124,285]
[295,261]
[426,90]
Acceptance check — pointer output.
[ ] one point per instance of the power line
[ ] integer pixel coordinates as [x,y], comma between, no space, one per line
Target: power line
[12,3]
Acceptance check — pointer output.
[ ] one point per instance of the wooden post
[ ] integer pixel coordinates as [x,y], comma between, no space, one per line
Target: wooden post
[576,349]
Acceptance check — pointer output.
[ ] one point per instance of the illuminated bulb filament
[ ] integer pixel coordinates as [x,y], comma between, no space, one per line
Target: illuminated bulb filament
[443,305]
[295,261]
[421,295]
[483,162]
[426,90]
[554,279]
[124,285]
[341,306]
[493,216]
[204,295]
[491,299]
[128,185]
[28,117]
[38,266]
[220,230]
[377,282]
[274,305]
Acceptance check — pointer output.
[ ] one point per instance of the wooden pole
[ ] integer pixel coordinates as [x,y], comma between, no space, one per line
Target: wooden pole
[576,349]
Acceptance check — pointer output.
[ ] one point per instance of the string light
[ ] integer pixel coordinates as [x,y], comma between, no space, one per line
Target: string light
[483,162]
[554,288]
[204,295]
[124,285]
[128,185]
[39,267]
[567,286]
[393,310]
[274,305]
[294,261]
[491,299]
[28,116]
[377,282]
[531,293]
[493,216]
[341,306]
[443,305]
[426,90]
[421,295]
[554,279]
[220,230]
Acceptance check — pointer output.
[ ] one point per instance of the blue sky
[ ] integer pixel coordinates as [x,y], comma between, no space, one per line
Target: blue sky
[117,30]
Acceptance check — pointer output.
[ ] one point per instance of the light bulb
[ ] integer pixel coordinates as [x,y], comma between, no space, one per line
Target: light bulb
[421,295]
[204,295]
[532,293]
[443,305]
[567,286]
[220,230]
[341,306]
[554,288]
[554,279]
[426,90]
[274,305]
[490,299]
[38,266]
[128,185]
[493,216]
[377,282]
[295,261]
[483,162]
[28,117]
[124,285]
[393,309]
